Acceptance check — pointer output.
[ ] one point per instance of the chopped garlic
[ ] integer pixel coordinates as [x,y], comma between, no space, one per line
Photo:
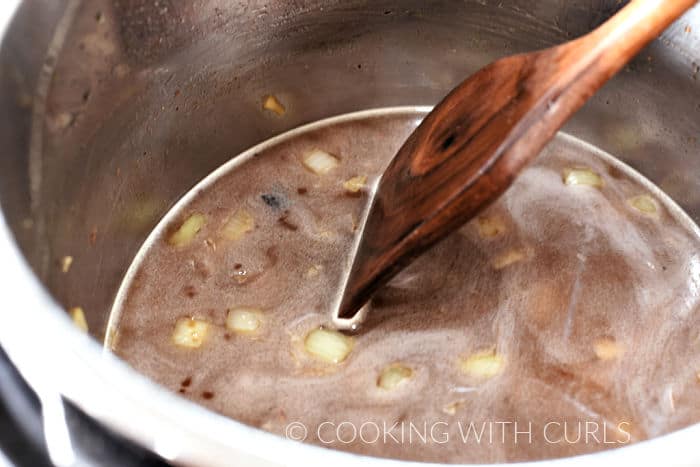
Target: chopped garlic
[607,349]
[328,346]
[582,176]
[78,316]
[272,104]
[66,263]
[355,184]
[507,258]
[187,230]
[452,408]
[394,375]
[644,204]
[320,162]
[482,364]
[190,332]
[244,320]
[490,227]
[238,225]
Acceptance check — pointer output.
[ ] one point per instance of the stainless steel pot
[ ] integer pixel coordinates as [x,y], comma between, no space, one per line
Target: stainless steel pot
[112,109]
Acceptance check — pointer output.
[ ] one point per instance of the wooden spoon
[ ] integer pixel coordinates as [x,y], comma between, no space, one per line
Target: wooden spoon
[470,148]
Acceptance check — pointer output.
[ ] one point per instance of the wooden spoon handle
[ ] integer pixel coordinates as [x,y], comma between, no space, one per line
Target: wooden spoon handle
[468,150]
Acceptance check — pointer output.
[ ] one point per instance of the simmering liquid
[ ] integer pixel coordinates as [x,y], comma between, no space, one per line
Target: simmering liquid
[563,320]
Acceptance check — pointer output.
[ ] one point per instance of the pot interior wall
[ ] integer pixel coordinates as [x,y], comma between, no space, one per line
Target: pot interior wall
[138,100]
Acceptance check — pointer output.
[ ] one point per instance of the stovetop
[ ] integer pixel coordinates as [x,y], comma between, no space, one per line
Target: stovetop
[21,431]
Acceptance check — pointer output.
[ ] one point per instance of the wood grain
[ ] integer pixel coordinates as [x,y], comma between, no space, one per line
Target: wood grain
[469,149]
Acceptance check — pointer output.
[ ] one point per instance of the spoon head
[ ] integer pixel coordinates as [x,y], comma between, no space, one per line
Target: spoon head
[459,160]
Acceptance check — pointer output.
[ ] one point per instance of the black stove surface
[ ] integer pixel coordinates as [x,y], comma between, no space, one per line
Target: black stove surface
[21,430]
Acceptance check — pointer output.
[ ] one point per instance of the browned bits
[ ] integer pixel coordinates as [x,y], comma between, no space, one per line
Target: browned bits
[272,256]
[190,291]
[92,238]
[202,269]
[207,395]
[302,190]
[186,382]
[286,223]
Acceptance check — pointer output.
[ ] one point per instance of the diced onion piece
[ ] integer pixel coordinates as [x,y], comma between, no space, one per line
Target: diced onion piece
[187,230]
[507,258]
[452,408]
[320,162]
[582,176]
[190,332]
[313,271]
[238,225]
[78,316]
[644,204]
[607,349]
[62,121]
[490,227]
[140,213]
[273,104]
[355,184]
[483,364]
[328,346]
[244,320]
[66,263]
[326,234]
[394,375]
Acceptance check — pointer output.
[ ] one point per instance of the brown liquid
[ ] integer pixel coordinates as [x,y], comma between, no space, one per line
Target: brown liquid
[596,320]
